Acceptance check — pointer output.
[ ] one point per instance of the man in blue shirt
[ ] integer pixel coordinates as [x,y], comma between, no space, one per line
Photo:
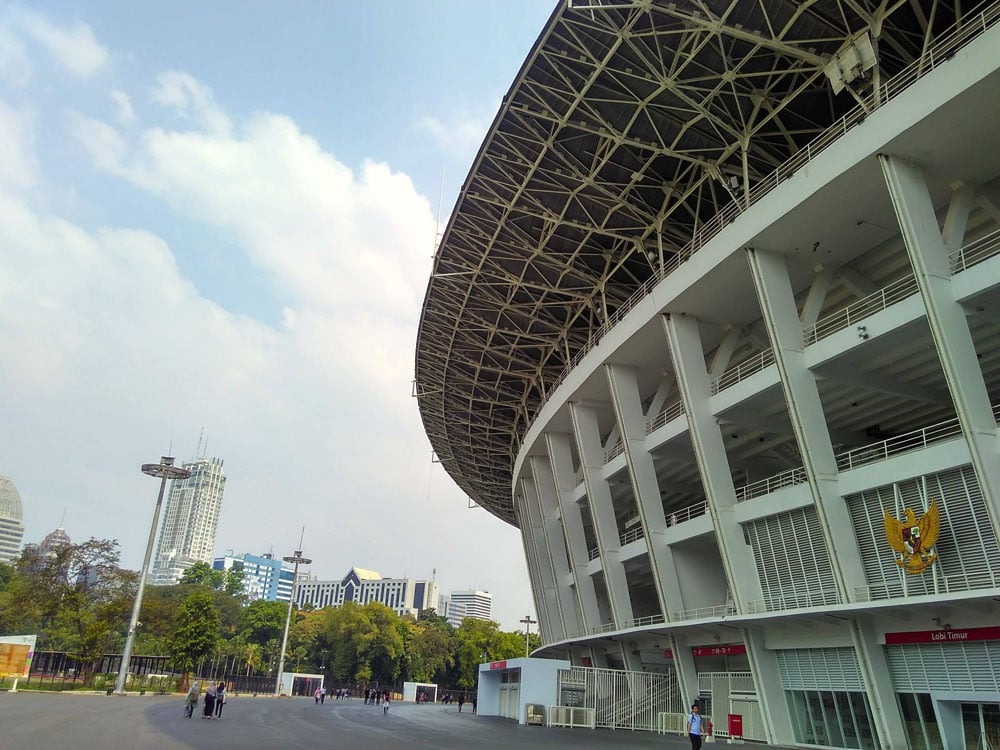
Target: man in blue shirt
[694,727]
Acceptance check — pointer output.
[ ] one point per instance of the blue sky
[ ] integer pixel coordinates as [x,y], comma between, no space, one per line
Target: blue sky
[221,216]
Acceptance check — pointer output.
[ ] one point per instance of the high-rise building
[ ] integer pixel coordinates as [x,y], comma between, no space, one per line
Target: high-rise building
[190,519]
[405,596]
[740,387]
[263,577]
[11,528]
[475,604]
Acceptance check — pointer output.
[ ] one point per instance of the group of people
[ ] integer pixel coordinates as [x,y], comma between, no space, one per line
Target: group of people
[375,698]
[460,700]
[215,699]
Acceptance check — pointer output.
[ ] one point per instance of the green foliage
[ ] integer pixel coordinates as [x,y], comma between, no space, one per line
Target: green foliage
[261,621]
[196,630]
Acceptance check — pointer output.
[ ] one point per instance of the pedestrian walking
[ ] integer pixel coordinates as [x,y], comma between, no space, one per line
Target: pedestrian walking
[475,702]
[191,699]
[385,703]
[461,701]
[210,694]
[694,727]
[322,696]
[220,699]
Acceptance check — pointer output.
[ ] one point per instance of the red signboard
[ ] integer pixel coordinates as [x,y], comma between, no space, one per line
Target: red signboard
[735,725]
[586,661]
[731,650]
[944,636]
[668,654]
[498,664]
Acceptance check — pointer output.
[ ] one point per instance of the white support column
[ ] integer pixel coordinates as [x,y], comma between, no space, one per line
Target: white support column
[687,673]
[628,409]
[684,341]
[770,693]
[928,252]
[881,694]
[548,504]
[529,539]
[561,461]
[588,442]
[547,603]
[805,410]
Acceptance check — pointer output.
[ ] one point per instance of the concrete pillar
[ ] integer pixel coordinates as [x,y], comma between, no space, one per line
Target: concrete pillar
[770,693]
[684,341]
[548,505]
[928,250]
[561,461]
[805,410]
[588,441]
[628,409]
[887,720]
[550,622]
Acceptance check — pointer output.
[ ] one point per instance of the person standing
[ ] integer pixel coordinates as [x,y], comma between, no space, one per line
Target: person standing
[461,701]
[475,702]
[694,727]
[322,696]
[210,694]
[220,699]
[191,699]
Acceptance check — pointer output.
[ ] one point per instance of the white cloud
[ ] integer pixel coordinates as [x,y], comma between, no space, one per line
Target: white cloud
[123,107]
[191,100]
[463,133]
[15,67]
[75,48]
[18,166]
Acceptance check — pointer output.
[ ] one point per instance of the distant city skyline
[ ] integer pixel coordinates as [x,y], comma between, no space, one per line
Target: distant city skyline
[11,514]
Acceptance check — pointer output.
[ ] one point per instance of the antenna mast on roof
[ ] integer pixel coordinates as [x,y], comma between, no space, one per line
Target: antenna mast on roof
[437,222]
[201,436]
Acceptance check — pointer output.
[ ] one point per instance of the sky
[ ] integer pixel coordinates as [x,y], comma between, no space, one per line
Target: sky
[219,218]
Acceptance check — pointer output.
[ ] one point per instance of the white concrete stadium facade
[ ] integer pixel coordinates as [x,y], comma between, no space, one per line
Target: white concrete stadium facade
[703,449]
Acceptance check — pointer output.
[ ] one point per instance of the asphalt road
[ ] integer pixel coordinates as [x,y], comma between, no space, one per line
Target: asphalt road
[34,721]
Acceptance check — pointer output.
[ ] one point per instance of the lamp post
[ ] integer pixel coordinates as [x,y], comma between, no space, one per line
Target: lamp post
[528,622]
[164,470]
[298,559]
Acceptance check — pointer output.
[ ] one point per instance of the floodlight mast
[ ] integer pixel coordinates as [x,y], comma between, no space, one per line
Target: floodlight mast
[298,559]
[164,470]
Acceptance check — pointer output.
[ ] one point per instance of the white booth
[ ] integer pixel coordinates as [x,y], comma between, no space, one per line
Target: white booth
[413,690]
[507,687]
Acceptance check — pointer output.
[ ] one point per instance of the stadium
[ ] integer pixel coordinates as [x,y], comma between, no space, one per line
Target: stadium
[716,324]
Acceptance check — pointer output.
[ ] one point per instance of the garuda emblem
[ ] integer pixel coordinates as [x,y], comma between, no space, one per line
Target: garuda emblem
[913,538]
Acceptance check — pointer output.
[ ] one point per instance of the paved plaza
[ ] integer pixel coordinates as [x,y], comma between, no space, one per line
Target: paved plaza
[73,722]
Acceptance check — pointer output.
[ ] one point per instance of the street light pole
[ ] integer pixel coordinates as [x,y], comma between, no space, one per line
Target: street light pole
[528,622]
[298,559]
[164,470]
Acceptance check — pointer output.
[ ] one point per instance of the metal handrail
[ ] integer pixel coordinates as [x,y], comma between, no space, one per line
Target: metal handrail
[593,553]
[632,535]
[908,441]
[697,613]
[687,513]
[669,414]
[942,49]
[769,484]
[743,370]
[793,600]
[975,252]
[616,450]
[876,302]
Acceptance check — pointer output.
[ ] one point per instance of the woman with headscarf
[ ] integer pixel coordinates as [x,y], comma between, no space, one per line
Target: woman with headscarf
[191,699]
[209,701]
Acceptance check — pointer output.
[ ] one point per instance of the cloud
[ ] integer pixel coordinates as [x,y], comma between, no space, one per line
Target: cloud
[123,105]
[190,100]
[75,48]
[15,67]
[462,134]
[18,166]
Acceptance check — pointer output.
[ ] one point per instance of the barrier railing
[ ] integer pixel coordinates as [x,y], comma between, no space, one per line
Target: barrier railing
[793,600]
[698,613]
[943,48]
[743,370]
[632,535]
[667,415]
[571,716]
[856,311]
[769,484]
[616,450]
[909,441]
[686,514]
[975,252]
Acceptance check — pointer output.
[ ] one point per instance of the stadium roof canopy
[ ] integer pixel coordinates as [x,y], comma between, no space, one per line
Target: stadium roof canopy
[629,127]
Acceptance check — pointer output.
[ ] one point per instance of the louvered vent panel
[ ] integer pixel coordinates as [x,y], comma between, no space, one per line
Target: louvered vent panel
[968,553]
[819,669]
[792,560]
[924,667]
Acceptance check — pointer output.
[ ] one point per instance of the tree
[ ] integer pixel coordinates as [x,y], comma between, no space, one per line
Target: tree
[196,630]
[480,641]
[262,621]
[201,573]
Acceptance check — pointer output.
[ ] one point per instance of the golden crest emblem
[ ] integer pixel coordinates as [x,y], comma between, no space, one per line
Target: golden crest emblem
[914,537]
